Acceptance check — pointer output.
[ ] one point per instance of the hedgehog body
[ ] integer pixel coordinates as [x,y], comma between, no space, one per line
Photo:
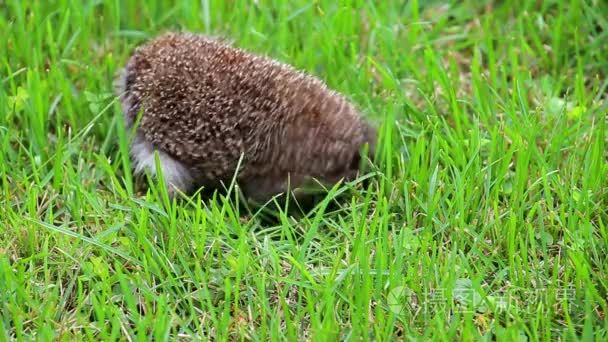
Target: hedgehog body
[208,107]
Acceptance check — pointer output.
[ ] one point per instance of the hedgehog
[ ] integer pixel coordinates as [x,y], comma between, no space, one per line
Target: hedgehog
[214,112]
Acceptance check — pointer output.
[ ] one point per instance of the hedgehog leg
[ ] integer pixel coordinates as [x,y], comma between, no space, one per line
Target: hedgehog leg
[262,189]
[176,175]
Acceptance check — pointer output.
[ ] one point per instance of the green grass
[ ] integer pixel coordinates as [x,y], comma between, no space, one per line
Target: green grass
[486,216]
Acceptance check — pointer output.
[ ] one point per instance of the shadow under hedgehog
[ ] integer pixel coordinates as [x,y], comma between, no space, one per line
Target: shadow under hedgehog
[206,106]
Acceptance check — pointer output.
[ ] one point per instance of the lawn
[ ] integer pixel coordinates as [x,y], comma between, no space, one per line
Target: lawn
[485,216]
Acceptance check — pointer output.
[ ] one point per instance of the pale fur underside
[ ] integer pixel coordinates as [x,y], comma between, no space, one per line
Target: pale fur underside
[175,174]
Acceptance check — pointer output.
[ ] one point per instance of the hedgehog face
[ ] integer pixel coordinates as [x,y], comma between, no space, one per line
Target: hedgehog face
[349,171]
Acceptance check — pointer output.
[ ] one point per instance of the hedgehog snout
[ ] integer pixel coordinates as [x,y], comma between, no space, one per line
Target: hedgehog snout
[367,149]
[370,136]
